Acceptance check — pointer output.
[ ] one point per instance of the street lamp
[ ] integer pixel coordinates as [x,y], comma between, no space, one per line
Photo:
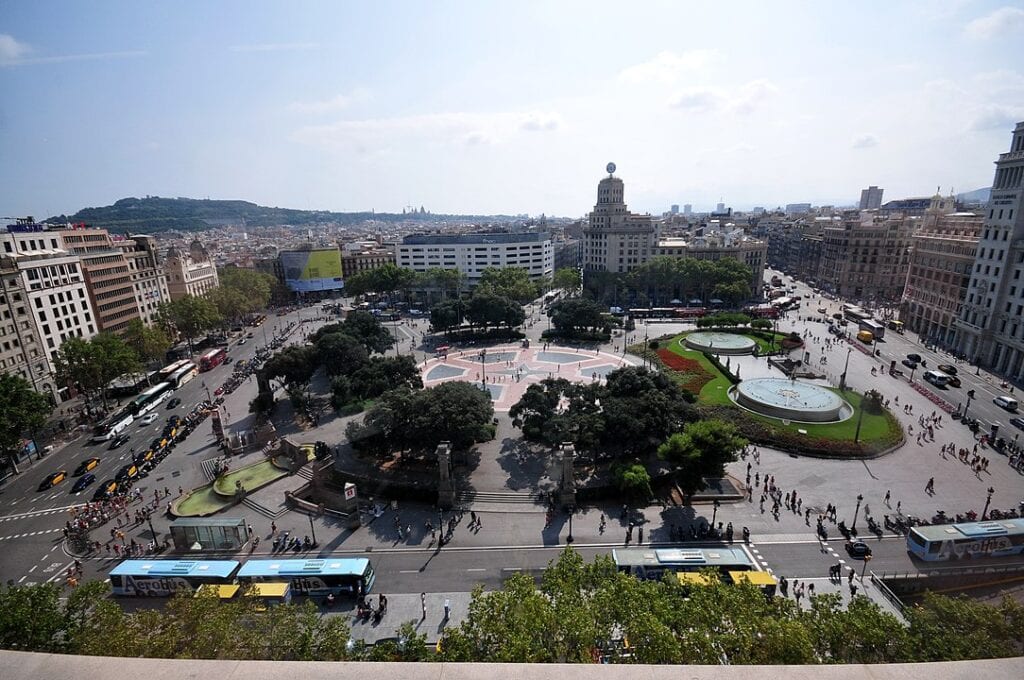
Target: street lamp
[483,368]
[569,538]
[149,521]
[842,379]
[853,525]
[984,513]
[312,529]
[970,395]
[714,513]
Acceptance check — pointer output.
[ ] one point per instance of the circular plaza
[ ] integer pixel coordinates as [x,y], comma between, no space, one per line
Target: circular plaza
[719,343]
[791,400]
[506,372]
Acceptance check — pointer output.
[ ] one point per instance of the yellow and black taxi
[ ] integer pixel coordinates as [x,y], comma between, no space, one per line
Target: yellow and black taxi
[143,456]
[53,479]
[86,465]
[105,490]
[129,471]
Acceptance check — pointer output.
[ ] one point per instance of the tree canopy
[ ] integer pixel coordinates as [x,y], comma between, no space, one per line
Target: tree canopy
[508,282]
[664,278]
[22,411]
[577,315]
[150,343]
[92,364]
[189,316]
[702,450]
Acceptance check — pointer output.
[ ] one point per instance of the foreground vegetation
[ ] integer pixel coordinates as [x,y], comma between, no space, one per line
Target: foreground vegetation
[580,613]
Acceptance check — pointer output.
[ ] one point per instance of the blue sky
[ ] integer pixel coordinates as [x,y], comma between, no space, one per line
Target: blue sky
[501,107]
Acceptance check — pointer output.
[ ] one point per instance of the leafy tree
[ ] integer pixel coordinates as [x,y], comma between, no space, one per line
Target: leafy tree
[92,364]
[294,364]
[254,287]
[702,450]
[447,315]
[150,343]
[189,316]
[368,330]
[953,628]
[568,279]
[22,411]
[641,409]
[633,481]
[341,353]
[381,374]
[509,282]
[761,324]
[577,315]
[382,280]
[489,309]
[231,304]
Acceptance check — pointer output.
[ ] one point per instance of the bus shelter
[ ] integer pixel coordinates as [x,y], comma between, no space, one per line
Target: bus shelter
[207,534]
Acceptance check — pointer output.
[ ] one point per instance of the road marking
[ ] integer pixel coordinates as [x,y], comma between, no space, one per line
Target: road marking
[34,567]
[409,571]
[511,569]
[477,569]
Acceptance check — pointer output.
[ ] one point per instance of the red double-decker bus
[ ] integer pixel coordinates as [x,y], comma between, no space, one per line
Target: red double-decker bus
[212,359]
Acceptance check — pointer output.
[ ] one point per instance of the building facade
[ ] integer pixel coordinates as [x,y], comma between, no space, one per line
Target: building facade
[991,323]
[471,254]
[189,273]
[719,246]
[871,198]
[616,240]
[865,257]
[149,282]
[365,260]
[21,348]
[107,276]
[942,255]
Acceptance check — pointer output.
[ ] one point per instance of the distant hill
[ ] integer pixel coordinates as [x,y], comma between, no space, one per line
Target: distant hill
[976,196]
[155,214]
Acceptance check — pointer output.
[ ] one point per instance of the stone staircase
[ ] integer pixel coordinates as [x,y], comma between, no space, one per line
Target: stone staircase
[502,501]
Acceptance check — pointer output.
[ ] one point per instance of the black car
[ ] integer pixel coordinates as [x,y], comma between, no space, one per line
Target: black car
[947,369]
[1017,423]
[86,465]
[858,549]
[173,403]
[914,357]
[119,441]
[909,363]
[953,381]
[83,481]
[105,490]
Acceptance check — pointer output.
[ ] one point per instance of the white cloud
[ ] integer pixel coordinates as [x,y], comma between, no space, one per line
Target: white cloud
[742,100]
[1003,21]
[697,99]
[667,66]
[275,47]
[335,103]
[996,117]
[1000,80]
[11,50]
[540,122]
[752,95]
[865,142]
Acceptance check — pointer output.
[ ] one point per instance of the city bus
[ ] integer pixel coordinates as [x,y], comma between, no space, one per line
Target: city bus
[148,400]
[183,374]
[163,578]
[265,594]
[876,329]
[783,303]
[965,540]
[855,313]
[212,359]
[169,370]
[653,563]
[112,426]
[316,577]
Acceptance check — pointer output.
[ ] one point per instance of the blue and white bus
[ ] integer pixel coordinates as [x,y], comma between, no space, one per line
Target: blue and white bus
[162,578]
[149,399]
[965,540]
[316,577]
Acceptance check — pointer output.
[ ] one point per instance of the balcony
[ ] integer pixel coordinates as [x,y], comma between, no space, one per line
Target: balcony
[1011,156]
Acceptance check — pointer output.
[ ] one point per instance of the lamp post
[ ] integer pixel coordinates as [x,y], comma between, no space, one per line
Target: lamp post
[842,379]
[970,395]
[714,513]
[853,525]
[569,538]
[312,529]
[208,395]
[483,369]
[149,521]
[988,500]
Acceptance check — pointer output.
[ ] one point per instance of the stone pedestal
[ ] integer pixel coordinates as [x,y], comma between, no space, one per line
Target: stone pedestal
[567,485]
[445,483]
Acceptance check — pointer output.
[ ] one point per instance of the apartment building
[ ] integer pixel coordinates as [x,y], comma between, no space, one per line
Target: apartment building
[149,282]
[189,273]
[107,276]
[866,256]
[616,240]
[21,347]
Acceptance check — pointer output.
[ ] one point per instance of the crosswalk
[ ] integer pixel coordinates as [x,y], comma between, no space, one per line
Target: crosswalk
[36,513]
[27,534]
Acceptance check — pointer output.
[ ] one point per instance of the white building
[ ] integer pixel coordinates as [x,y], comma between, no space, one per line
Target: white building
[871,198]
[616,240]
[471,254]
[192,273]
[147,274]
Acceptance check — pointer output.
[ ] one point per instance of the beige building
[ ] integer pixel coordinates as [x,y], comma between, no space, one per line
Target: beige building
[865,257]
[149,281]
[733,244]
[943,250]
[616,240]
[21,347]
[189,273]
[107,276]
[353,262]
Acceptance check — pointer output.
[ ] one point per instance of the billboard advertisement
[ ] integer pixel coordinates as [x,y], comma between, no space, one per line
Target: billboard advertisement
[308,271]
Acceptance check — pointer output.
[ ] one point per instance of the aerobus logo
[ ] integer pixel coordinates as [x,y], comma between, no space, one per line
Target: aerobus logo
[985,546]
[157,586]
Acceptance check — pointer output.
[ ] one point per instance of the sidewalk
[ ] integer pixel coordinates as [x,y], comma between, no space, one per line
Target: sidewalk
[405,607]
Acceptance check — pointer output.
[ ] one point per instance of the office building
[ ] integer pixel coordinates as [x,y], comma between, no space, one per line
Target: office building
[616,240]
[675,209]
[687,209]
[473,253]
[991,323]
[21,347]
[871,198]
[797,208]
[365,259]
[942,255]
[149,282]
[107,276]
[189,273]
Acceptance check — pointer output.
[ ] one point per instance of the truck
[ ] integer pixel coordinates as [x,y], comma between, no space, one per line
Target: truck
[875,328]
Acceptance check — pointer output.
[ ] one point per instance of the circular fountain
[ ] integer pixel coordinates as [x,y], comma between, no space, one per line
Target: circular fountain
[720,343]
[791,400]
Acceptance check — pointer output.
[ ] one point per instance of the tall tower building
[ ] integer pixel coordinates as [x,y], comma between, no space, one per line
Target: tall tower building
[616,240]
[991,322]
[871,198]
[687,209]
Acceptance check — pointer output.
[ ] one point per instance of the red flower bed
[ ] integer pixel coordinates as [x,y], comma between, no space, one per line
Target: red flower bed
[692,375]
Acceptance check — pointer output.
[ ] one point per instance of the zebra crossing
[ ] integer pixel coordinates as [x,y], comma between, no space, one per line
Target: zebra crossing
[27,534]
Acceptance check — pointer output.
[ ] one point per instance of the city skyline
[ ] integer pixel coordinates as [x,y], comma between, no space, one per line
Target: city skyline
[384,107]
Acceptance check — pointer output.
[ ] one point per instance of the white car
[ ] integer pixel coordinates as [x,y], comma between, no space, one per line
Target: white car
[1008,403]
[148,418]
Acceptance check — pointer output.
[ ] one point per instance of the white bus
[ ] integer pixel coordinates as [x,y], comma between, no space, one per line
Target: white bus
[183,374]
[112,426]
[148,400]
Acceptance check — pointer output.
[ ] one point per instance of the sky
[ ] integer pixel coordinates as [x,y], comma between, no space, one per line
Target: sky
[502,107]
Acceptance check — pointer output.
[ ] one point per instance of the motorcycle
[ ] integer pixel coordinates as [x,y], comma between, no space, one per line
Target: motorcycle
[971,516]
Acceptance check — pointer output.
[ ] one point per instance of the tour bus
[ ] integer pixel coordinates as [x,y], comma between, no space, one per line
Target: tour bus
[992,538]
[112,426]
[183,374]
[163,578]
[653,563]
[212,359]
[877,329]
[852,313]
[149,399]
[316,577]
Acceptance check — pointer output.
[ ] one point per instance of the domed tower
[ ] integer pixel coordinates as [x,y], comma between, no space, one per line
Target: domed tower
[615,239]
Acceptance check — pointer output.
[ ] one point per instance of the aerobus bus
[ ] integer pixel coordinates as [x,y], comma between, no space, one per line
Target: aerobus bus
[163,578]
[148,400]
[653,563]
[183,374]
[212,359]
[965,540]
[316,577]
[265,594]
[112,426]
[853,313]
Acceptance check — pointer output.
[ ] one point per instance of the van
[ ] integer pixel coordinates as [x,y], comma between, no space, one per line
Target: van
[936,378]
[865,336]
[1008,403]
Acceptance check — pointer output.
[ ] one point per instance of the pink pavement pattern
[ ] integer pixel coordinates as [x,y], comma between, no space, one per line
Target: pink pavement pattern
[509,370]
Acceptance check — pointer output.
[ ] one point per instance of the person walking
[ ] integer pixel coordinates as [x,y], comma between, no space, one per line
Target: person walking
[423,606]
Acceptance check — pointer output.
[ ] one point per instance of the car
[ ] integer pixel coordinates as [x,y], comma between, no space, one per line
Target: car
[909,363]
[1005,402]
[83,481]
[105,490]
[126,472]
[148,419]
[953,380]
[228,360]
[858,549]
[173,403]
[843,322]
[947,369]
[53,479]
[837,316]
[174,420]
[86,465]
[914,357]
[118,441]
[822,310]
[250,334]
[242,341]
[1017,423]
[143,456]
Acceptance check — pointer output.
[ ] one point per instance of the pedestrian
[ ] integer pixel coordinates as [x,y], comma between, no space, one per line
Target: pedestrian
[423,605]
[640,536]
[898,504]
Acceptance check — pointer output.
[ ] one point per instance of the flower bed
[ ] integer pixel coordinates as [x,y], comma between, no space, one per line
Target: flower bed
[692,375]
